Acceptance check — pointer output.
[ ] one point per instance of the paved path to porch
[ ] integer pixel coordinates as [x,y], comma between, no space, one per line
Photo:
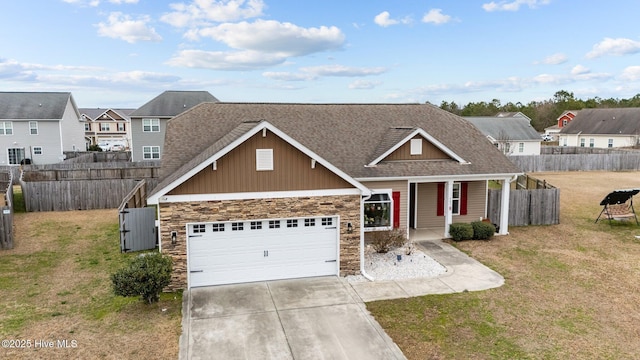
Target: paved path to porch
[463,274]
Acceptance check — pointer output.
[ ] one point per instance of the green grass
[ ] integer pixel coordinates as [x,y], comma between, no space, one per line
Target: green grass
[90,252]
[18,200]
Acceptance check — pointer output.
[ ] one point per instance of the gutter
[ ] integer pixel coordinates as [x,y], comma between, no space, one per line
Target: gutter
[362,270]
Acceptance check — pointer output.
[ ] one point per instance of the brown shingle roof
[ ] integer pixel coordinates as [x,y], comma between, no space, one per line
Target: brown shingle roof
[347,135]
[605,121]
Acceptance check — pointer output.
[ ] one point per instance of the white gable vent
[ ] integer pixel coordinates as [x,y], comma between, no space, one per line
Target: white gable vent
[264,159]
[416,146]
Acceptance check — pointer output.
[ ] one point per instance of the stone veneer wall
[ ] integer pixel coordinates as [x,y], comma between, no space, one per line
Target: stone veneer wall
[175,216]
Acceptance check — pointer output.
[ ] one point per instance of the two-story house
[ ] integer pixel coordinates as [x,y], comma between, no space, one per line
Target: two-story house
[149,122]
[111,126]
[38,127]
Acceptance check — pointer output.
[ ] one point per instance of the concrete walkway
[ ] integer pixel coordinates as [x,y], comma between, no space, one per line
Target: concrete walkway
[463,274]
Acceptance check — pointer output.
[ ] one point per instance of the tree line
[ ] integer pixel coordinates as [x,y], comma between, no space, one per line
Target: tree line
[542,113]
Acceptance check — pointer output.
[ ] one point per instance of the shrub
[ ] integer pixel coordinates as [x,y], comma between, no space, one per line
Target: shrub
[483,230]
[383,241]
[94,147]
[145,276]
[461,231]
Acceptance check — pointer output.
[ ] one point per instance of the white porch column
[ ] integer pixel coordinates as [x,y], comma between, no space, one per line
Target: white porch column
[504,207]
[448,207]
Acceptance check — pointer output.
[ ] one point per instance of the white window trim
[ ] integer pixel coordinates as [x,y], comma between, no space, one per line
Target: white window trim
[264,159]
[105,127]
[521,147]
[416,146]
[150,152]
[150,122]
[4,127]
[454,199]
[121,125]
[33,128]
[389,193]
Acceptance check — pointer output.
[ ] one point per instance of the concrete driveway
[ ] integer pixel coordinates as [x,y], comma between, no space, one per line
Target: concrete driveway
[313,318]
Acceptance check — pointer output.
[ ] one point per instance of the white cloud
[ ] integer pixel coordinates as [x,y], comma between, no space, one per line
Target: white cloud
[220,60]
[314,72]
[579,70]
[340,70]
[435,16]
[275,37]
[363,84]
[513,5]
[609,46]
[92,3]
[631,73]
[554,59]
[204,12]
[288,76]
[123,27]
[384,19]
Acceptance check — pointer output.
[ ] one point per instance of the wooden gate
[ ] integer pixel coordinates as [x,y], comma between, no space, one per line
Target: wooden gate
[137,222]
[138,229]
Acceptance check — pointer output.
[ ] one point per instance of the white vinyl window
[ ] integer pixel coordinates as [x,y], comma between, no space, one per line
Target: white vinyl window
[87,127]
[121,127]
[610,143]
[377,211]
[592,142]
[104,127]
[581,142]
[151,152]
[520,147]
[264,159]
[6,128]
[37,150]
[455,199]
[416,146]
[151,125]
[33,127]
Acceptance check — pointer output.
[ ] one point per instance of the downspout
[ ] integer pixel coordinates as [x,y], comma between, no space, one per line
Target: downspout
[362,271]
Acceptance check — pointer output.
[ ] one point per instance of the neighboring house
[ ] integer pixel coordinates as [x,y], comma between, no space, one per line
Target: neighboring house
[603,128]
[111,126]
[149,122]
[252,191]
[512,135]
[38,127]
[513,114]
[563,120]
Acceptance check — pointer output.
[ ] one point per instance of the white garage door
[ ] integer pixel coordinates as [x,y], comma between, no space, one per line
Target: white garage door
[257,250]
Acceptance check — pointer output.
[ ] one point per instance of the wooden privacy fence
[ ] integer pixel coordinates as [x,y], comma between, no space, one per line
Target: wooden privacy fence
[534,202]
[97,156]
[82,186]
[137,222]
[6,211]
[622,161]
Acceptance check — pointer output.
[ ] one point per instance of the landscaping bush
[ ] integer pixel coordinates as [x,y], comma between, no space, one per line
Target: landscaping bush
[482,230]
[94,147]
[383,241]
[461,231]
[145,276]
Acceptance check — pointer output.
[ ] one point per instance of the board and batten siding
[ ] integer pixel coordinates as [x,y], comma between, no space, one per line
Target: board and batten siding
[236,171]
[429,152]
[428,200]
[400,186]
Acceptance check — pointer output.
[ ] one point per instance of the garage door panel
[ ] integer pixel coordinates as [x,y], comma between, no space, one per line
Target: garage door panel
[247,254]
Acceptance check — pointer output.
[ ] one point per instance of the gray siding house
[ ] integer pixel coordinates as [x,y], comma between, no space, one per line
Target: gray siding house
[149,122]
[38,127]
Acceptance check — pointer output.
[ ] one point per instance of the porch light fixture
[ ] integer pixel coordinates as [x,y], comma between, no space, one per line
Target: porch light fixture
[174,237]
[349,228]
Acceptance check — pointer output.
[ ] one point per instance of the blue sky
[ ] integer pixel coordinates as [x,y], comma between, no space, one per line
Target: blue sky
[122,53]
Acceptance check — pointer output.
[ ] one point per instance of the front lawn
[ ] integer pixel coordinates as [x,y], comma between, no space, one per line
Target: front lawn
[572,290]
[55,287]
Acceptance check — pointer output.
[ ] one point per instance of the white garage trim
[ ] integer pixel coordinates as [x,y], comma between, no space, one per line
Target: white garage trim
[247,250]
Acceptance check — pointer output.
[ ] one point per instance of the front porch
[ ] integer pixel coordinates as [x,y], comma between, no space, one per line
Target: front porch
[426,234]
